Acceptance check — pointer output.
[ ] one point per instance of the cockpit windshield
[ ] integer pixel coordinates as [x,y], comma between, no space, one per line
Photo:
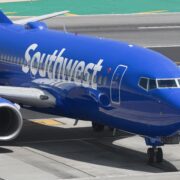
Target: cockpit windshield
[149,84]
[167,83]
[152,84]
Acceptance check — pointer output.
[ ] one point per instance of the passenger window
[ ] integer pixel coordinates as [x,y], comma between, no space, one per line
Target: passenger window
[143,83]
[152,84]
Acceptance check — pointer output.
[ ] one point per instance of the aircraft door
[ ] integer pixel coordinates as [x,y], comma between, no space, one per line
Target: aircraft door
[115,87]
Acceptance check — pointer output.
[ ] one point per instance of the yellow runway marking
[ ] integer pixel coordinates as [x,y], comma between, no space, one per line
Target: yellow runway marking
[12,1]
[70,14]
[151,12]
[48,122]
[10,13]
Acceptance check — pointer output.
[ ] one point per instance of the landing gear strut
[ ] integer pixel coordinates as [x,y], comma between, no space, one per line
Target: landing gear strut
[155,155]
[97,127]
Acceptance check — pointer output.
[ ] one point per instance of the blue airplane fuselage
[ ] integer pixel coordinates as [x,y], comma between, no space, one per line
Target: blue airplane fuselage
[92,78]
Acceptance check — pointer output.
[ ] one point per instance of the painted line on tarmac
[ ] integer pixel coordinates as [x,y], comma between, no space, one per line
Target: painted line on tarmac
[153,12]
[70,14]
[61,162]
[12,1]
[162,46]
[158,27]
[130,14]
[67,140]
[48,122]
[10,13]
[136,176]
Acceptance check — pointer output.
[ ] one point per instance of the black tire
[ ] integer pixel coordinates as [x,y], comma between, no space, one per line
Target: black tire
[159,155]
[97,127]
[151,155]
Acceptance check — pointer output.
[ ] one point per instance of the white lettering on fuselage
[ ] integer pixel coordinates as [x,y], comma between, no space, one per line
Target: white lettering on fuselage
[55,66]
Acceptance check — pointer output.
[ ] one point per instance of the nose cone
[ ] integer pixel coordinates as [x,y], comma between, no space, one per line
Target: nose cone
[171,97]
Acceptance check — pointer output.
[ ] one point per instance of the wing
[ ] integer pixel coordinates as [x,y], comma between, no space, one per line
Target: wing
[28,96]
[39,18]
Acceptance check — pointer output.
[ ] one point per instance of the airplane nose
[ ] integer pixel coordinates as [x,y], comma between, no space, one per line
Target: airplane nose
[172,98]
[175,102]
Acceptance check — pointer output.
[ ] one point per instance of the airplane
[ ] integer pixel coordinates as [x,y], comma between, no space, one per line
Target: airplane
[107,82]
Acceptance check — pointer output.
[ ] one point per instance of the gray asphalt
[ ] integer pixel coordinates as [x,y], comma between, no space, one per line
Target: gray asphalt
[68,152]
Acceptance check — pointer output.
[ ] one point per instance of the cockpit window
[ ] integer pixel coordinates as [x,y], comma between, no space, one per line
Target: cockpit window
[152,84]
[144,83]
[167,83]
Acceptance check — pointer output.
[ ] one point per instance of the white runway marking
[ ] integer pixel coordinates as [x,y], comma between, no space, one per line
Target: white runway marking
[161,46]
[158,27]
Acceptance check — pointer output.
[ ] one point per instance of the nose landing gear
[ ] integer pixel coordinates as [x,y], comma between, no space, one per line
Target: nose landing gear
[155,155]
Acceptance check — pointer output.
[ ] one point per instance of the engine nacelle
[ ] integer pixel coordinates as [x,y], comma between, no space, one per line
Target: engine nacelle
[36,25]
[10,120]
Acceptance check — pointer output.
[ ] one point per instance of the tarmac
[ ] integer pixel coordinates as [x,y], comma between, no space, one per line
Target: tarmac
[53,148]
[56,149]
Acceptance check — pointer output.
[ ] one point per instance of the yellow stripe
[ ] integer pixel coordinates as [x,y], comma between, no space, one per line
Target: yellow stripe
[156,11]
[10,13]
[12,1]
[48,122]
[70,14]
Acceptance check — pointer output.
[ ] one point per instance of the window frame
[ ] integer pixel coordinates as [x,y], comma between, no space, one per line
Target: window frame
[178,81]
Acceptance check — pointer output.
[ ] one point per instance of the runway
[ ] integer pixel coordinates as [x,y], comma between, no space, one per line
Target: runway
[53,148]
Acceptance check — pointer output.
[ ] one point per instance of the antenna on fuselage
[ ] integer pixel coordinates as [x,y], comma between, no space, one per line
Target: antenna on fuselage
[76,122]
[114,131]
[64,28]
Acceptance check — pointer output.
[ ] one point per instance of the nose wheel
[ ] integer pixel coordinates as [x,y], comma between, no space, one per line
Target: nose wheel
[155,155]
